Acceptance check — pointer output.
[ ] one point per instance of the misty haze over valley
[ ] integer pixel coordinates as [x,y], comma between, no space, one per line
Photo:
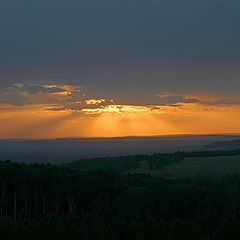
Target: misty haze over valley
[59,151]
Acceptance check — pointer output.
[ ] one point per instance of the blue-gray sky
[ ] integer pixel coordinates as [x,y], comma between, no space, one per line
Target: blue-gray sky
[129,50]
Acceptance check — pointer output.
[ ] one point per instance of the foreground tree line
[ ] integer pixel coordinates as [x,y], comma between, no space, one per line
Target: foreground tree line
[49,202]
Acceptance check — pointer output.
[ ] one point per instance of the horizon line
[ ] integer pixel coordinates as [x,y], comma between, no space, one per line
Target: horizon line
[127,136]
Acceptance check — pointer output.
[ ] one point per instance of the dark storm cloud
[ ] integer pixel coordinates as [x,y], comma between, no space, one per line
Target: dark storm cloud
[123,48]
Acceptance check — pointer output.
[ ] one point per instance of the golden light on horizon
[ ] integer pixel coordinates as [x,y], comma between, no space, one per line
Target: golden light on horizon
[53,121]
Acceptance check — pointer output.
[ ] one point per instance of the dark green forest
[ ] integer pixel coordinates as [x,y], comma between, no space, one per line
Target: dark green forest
[54,202]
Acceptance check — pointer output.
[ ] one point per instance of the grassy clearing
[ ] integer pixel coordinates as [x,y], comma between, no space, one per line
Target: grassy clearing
[196,166]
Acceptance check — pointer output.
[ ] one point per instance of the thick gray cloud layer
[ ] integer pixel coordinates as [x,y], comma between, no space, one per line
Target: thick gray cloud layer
[128,49]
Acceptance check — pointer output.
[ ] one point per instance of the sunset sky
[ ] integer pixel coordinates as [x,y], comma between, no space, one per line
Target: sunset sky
[91,68]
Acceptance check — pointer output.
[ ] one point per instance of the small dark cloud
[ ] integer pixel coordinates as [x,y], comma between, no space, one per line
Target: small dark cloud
[56,109]
[155,108]
[34,88]
[174,105]
[166,99]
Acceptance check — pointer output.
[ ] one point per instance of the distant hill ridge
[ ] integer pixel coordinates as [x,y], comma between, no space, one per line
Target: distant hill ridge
[222,145]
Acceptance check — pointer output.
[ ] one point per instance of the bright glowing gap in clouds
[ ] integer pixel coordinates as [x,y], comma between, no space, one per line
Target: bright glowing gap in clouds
[117,109]
[95,101]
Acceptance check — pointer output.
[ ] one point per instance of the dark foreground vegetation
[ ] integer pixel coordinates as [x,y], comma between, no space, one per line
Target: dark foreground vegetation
[49,202]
